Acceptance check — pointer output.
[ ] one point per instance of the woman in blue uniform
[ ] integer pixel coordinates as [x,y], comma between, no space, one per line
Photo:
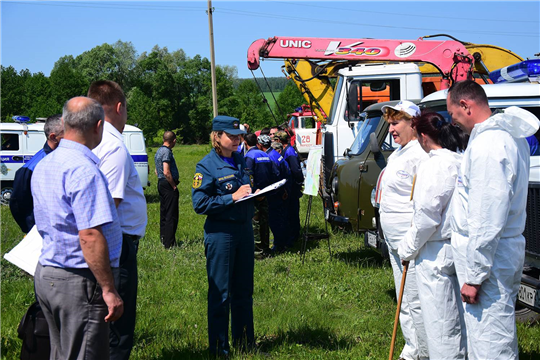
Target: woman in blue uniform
[220,180]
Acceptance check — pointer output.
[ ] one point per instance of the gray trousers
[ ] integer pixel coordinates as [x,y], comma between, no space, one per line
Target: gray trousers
[73,305]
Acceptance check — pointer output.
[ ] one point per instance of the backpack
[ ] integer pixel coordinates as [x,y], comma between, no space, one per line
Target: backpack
[34,332]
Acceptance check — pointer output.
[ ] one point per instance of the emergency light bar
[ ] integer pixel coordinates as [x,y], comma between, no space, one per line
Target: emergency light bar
[523,71]
[21,119]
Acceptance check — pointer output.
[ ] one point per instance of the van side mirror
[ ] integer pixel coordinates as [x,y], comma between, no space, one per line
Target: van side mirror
[374,143]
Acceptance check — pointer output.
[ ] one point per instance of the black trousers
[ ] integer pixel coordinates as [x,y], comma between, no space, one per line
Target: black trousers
[168,220]
[121,331]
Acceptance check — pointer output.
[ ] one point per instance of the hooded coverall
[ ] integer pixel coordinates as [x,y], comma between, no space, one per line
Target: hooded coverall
[396,212]
[228,242]
[427,243]
[488,219]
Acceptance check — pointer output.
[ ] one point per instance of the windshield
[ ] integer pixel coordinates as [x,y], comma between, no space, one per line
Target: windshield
[335,100]
[362,139]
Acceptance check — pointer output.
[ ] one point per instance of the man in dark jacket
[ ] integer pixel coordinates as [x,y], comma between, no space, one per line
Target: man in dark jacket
[21,203]
[297,182]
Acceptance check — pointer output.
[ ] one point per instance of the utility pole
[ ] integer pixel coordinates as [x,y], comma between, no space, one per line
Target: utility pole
[212,58]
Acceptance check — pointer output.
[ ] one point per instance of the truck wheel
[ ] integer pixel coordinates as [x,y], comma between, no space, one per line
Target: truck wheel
[526,316]
[6,195]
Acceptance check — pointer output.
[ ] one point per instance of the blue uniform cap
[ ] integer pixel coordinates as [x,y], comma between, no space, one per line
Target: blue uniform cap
[228,124]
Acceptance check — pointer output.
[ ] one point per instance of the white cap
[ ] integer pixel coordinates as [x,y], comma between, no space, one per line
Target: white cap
[405,106]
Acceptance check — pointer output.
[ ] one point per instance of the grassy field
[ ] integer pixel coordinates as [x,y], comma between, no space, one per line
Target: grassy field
[332,307]
[271,101]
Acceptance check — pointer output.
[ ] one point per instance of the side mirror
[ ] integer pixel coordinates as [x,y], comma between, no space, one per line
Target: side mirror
[347,152]
[377,86]
[374,143]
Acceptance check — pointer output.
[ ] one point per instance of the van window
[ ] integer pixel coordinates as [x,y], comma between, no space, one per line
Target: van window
[10,142]
[35,141]
[136,142]
[308,123]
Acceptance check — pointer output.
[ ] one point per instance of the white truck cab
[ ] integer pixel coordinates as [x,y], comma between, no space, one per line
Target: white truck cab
[21,141]
[395,81]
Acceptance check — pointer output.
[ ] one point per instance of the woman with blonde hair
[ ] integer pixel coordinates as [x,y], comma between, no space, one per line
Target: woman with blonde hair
[396,212]
[221,179]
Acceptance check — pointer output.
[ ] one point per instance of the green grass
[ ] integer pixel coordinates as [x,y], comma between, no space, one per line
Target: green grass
[271,101]
[339,307]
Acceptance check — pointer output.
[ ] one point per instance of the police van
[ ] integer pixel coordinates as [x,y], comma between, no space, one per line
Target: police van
[21,140]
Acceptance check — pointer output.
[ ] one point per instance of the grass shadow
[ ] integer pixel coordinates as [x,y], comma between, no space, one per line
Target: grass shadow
[152,198]
[190,354]
[534,355]
[362,257]
[306,336]
[392,294]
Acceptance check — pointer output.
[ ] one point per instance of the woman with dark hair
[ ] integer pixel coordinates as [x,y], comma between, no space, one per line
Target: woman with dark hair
[221,179]
[427,242]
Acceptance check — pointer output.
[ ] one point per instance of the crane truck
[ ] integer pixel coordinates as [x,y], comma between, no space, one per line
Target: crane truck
[393,69]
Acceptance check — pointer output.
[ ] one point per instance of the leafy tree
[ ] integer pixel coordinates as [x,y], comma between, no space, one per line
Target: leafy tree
[41,103]
[111,62]
[250,107]
[142,112]
[289,99]
[66,82]
[13,92]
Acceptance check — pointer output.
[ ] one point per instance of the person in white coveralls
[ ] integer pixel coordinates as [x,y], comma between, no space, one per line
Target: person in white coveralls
[396,212]
[427,242]
[488,218]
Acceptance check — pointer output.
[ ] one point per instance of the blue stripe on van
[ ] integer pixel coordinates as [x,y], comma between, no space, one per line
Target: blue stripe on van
[9,159]
[139,158]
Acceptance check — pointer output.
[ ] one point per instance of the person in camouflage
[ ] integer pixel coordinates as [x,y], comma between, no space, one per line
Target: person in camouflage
[264,173]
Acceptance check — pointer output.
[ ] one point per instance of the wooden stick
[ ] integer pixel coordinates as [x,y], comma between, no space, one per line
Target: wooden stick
[413,183]
[396,319]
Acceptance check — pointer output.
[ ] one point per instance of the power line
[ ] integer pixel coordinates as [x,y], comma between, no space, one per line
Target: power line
[305,4]
[273,16]
[109,6]
[295,18]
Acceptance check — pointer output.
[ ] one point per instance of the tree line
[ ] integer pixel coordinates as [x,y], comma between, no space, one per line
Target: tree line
[164,90]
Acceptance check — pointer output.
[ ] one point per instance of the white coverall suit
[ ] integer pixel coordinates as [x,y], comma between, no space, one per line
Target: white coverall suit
[396,212]
[427,244]
[488,219]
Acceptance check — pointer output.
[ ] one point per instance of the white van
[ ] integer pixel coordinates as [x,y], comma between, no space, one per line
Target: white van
[21,141]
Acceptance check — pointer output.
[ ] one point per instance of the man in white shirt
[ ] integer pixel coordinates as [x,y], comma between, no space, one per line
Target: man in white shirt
[125,187]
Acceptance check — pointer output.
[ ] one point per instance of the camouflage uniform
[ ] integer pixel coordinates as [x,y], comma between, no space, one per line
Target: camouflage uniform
[261,231]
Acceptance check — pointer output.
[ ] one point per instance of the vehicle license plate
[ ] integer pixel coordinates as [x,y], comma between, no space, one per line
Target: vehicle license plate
[372,239]
[527,294]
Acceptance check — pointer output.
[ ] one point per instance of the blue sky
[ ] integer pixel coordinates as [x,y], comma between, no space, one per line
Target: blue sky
[36,34]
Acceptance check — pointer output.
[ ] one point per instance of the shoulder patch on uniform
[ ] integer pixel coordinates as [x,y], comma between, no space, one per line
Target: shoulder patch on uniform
[197,180]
